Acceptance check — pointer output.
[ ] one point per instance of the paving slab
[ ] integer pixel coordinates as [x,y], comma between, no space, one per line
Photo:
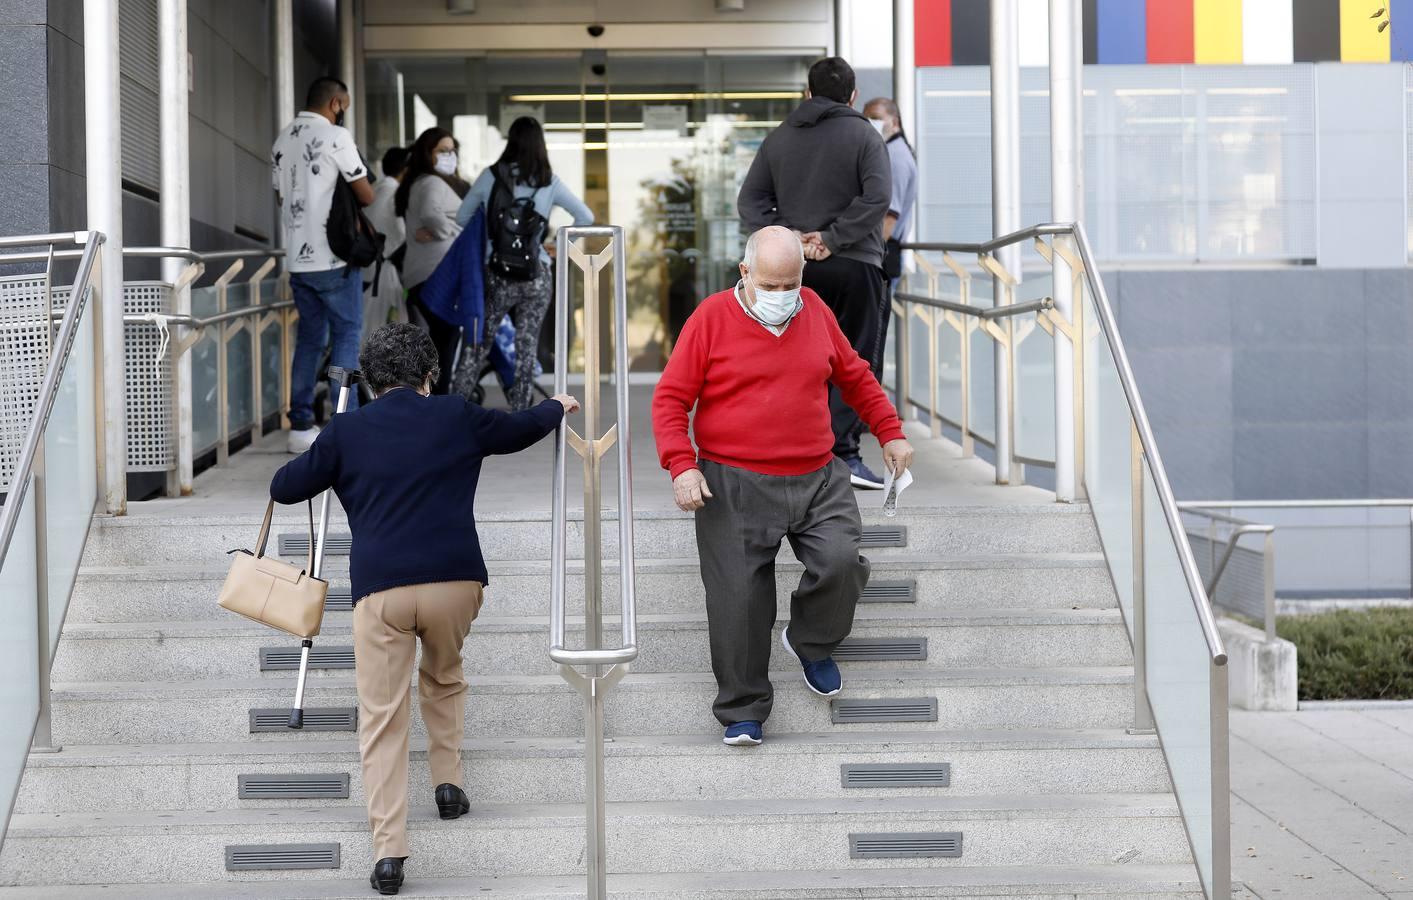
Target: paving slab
[1318,810]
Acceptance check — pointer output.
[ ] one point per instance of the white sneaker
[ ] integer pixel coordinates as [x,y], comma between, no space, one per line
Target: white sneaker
[299,441]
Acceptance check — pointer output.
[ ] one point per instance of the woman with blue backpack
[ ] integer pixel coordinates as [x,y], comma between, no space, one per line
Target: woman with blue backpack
[518,192]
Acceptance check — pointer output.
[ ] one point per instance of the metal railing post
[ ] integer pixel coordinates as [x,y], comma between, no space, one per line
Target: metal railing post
[222,338]
[596,680]
[1142,713]
[43,741]
[1268,586]
[900,359]
[1219,738]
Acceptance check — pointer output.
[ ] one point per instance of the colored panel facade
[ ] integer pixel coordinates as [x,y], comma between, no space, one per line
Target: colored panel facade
[1216,31]
[1122,32]
[1266,32]
[1401,30]
[971,32]
[1360,39]
[1315,27]
[1169,28]
[1089,21]
[932,32]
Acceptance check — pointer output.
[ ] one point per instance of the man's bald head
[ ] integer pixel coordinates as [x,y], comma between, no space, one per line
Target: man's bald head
[774,258]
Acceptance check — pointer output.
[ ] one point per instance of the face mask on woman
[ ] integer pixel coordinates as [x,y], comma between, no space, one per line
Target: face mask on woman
[446,163]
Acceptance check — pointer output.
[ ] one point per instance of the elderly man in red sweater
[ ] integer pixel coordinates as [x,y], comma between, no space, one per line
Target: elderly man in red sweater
[756,362]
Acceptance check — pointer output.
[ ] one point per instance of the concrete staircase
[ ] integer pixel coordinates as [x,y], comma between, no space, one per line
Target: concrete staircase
[979,750]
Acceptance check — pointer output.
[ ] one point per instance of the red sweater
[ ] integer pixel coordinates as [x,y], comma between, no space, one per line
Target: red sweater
[762,401]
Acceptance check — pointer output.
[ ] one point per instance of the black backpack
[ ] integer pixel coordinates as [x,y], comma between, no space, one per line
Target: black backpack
[351,236]
[517,231]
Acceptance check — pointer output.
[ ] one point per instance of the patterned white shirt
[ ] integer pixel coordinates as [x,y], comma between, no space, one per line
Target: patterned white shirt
[308,157]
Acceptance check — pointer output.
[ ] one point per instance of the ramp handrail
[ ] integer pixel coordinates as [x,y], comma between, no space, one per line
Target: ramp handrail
[30,472]
[1180,675]
[595,681]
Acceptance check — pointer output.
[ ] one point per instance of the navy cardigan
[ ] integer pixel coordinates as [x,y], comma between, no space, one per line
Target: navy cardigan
[405,468]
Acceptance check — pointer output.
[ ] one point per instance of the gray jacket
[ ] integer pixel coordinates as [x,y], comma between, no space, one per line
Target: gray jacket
[823,169]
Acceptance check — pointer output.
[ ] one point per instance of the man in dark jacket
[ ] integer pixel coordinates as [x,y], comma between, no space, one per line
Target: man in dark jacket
[824,173]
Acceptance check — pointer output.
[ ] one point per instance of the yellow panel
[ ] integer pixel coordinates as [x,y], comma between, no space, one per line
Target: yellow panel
[1216,31]
[1359,37]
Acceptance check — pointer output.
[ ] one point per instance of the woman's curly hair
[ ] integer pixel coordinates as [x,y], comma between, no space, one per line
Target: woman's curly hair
[399,354]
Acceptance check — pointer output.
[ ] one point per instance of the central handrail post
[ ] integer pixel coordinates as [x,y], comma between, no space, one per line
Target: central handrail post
[602,667]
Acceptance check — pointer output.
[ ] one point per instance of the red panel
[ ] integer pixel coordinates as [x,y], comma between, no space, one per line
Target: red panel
[1169,31]
[932,32]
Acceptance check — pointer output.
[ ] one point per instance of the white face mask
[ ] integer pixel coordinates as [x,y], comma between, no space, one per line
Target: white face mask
[878,125]
[776,307]
[446,163]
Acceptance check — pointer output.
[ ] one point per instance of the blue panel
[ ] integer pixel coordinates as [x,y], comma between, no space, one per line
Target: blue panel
[1401,22]
[1122,32]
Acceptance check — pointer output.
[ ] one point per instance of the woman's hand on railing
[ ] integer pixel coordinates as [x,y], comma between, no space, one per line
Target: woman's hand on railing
[571,405]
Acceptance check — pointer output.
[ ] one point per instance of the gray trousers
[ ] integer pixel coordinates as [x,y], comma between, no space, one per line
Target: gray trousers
[738,537]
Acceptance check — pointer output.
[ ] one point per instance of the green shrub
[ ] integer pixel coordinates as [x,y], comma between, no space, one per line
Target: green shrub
[1353,654]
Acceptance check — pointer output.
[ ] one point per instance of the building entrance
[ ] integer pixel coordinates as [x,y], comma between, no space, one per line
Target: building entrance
[655,142]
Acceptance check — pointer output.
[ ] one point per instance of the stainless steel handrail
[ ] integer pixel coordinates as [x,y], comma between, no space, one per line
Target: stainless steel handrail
[981,312]
[30,470]
[53,377]
[1242,528]
[596,680]
[1143,453]
[185,253]
[1109,325]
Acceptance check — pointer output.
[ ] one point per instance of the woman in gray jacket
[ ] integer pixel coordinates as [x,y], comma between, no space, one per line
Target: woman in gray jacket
[427,200]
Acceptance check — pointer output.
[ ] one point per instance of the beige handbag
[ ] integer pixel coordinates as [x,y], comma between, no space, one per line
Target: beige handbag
[275,593]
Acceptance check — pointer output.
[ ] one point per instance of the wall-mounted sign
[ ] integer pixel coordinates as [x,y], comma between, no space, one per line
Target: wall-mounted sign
[665,118]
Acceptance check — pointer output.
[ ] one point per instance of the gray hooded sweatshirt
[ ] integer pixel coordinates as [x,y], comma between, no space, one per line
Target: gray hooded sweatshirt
[823,169]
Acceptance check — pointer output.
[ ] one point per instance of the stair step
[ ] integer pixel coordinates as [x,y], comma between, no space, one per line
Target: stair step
[1055,528]
[235,647]
[550,770]
[295,544]
[547,839]
[136,593]
[1150,882]
[644,703]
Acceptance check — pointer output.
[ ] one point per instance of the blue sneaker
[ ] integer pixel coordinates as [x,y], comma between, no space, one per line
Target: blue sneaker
[822,675]
[742,734]
[861,476]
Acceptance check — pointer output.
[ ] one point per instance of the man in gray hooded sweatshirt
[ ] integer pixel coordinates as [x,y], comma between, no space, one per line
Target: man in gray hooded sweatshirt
[824,173]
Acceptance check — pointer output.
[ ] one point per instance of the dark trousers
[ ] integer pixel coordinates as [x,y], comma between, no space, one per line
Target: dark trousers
[444,335]
[738,536]
[855,292]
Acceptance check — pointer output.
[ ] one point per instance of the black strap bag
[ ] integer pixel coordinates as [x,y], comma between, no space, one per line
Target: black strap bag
[351,236]
[517,231]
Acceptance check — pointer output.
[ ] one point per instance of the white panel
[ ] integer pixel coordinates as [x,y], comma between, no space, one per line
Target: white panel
[1266,32]
[872,27]
[1035,32]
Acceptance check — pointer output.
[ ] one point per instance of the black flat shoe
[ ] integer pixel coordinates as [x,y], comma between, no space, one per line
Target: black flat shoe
[387,875]
[452,801]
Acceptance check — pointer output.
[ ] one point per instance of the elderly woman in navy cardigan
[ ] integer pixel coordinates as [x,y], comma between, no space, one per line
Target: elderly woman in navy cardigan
[405,469]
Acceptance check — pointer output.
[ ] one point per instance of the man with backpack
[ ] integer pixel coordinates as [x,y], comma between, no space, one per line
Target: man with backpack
[322,184]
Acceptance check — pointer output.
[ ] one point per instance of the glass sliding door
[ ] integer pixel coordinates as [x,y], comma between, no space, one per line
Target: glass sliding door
[655,142]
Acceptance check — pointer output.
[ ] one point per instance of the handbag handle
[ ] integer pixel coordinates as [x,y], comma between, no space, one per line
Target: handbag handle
[264,538]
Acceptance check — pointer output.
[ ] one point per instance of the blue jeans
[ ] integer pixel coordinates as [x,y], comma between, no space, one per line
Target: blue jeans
[327,302]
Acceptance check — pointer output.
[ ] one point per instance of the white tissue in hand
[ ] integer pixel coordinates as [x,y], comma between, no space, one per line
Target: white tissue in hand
[893,488]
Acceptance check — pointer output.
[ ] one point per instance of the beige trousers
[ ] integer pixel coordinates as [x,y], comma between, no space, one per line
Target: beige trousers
[386,627]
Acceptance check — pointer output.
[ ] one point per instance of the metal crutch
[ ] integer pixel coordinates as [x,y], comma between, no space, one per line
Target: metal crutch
[346,379]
